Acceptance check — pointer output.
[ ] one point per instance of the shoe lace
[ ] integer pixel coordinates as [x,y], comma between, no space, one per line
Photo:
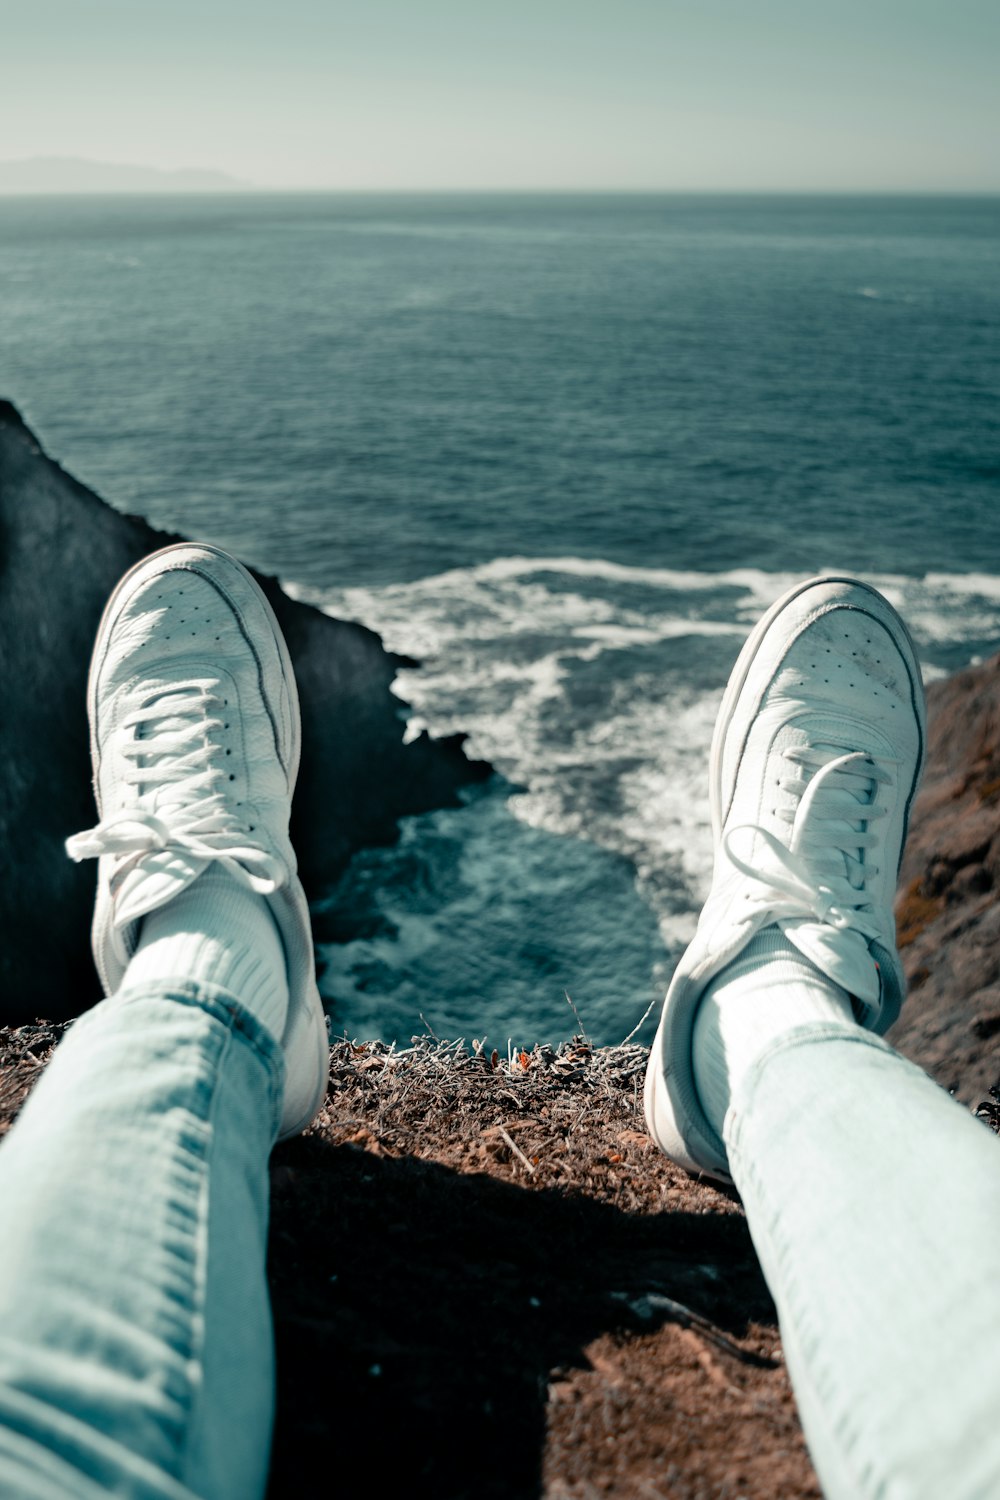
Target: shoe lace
[822,873]
[173,747]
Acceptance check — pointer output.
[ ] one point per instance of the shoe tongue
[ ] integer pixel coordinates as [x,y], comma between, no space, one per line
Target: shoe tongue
[157,879]
[842,956]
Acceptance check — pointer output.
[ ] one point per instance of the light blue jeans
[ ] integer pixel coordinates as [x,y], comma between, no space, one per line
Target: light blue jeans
[136,1352]
[873,1200]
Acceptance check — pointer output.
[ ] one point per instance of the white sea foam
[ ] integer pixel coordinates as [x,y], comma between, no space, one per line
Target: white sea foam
[593,685]
[965,585]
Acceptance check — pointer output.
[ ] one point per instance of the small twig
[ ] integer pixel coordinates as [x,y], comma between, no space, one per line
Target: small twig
[583,1029]
[430,1028]
[642,1021]
[644,1307]
[510,1141]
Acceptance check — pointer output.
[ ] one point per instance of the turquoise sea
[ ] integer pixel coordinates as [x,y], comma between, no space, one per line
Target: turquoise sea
[563,450]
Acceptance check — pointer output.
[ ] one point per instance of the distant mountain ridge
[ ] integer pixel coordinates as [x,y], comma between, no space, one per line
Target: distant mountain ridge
[71,174]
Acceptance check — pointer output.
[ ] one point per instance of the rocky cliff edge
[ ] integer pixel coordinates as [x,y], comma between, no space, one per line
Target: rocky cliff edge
[61,552]
[947,911]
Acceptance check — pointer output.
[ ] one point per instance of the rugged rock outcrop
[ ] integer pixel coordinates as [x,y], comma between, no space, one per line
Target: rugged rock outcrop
[947,911]
[61,552]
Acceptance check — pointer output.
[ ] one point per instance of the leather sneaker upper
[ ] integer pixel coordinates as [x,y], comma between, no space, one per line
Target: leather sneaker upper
[815,761]
[195,745]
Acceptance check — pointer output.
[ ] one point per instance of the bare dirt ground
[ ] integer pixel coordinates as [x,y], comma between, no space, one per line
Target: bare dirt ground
[492,1277]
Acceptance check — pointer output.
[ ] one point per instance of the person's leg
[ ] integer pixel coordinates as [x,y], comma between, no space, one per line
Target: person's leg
[135,1337]
[135,1342]
[873,1200]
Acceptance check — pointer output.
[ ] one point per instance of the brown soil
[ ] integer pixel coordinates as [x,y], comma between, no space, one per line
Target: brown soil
[487,1282]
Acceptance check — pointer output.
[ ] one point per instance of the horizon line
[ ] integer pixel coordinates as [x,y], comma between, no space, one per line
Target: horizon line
[248,190]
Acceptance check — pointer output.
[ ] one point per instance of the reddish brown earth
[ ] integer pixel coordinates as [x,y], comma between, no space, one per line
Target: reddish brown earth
[486,1281]
[947,914]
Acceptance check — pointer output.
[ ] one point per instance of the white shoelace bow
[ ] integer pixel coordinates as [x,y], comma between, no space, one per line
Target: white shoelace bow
[176,759]
[822,874]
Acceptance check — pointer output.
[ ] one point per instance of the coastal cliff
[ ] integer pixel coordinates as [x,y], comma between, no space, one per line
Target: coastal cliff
[947,911]
[62,549]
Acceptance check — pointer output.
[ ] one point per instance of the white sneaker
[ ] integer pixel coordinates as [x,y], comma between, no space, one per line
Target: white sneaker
[816,757]
[195,738]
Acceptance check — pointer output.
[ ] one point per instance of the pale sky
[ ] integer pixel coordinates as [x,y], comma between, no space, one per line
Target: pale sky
[624,94]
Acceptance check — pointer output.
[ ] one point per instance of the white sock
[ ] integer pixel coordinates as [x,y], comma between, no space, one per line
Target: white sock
[218,932]
[767,991]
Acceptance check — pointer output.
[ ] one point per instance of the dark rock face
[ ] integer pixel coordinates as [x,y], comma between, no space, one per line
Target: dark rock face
[947,912]
[61,552]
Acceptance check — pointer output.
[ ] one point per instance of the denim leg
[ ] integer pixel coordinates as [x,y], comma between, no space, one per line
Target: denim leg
[873,1200]
[136,1352]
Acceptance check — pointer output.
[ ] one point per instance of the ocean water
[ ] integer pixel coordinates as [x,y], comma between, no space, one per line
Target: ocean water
[562,450]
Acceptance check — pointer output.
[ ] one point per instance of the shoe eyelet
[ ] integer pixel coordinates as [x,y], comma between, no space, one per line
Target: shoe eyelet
[232,776]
